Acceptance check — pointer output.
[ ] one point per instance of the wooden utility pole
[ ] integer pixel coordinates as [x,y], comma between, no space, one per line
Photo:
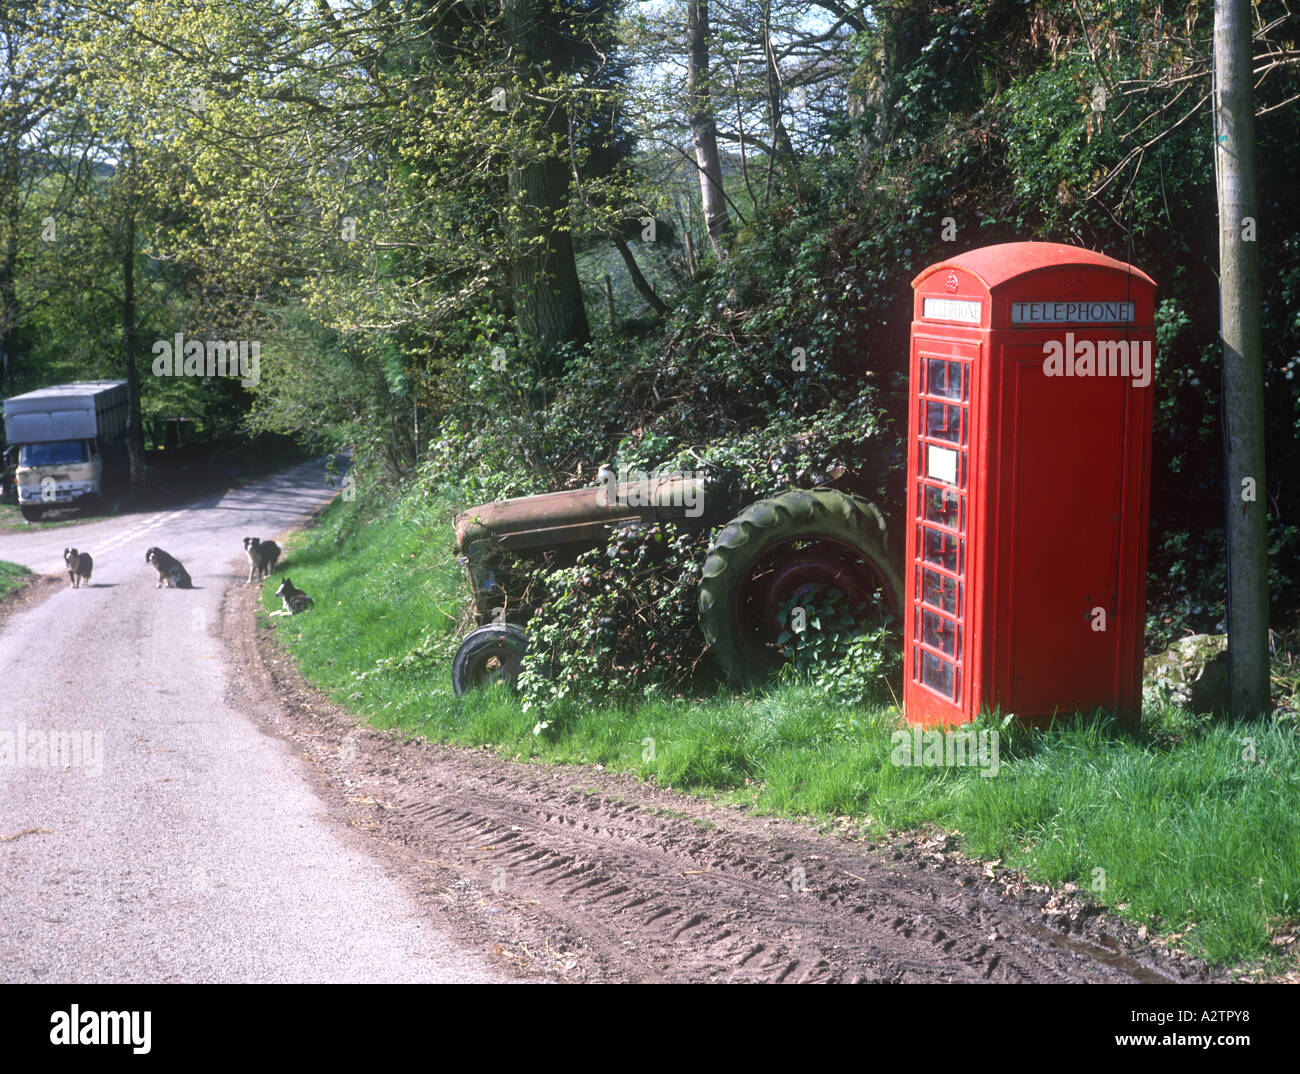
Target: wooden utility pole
[1243,363]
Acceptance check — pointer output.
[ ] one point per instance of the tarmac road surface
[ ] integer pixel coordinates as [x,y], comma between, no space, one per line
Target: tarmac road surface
[169,838]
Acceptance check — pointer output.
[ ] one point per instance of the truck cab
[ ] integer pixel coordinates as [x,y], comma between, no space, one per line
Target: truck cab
[57,473]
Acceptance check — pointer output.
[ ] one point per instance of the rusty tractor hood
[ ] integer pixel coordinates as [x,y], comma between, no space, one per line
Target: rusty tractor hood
[555,518]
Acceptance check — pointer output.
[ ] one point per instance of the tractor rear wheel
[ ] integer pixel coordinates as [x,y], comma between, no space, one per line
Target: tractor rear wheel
[778,551]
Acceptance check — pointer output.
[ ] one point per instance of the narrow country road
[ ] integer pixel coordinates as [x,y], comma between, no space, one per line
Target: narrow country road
[170,838]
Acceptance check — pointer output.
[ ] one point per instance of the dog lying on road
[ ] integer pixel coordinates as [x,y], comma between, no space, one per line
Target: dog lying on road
[295,600]
[79,566]
[262,557]
[170,570]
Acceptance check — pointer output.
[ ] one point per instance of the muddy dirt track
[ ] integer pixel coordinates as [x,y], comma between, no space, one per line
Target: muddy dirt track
[575,874]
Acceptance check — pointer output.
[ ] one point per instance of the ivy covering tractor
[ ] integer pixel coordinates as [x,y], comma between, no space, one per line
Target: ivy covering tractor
[766,557]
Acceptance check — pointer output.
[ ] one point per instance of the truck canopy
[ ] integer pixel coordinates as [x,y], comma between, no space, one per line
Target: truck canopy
[96,408]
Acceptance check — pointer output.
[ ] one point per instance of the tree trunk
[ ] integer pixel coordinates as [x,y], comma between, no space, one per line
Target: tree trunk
[543,273]
[638,278]
[704,128]
[782,148]
[135,427]
[11,211]
[9,293]
[609,303]
[1243,364]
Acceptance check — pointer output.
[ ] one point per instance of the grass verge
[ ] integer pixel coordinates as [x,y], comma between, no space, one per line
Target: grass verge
[1188,826]
[12,576]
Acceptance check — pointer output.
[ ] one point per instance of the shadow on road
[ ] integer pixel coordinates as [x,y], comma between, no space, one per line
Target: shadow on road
[205,493]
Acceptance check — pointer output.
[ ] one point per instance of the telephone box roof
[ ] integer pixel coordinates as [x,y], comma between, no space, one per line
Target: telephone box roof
[995,266]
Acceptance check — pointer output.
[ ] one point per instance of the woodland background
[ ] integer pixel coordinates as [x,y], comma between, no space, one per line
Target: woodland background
[494,245]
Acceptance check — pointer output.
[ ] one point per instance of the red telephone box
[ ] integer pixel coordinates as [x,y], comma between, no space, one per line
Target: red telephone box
[1029,452]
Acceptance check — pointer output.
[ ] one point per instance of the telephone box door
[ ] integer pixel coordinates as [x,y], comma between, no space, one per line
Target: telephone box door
[937,615]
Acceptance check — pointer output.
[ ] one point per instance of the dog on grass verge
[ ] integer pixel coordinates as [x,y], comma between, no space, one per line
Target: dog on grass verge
[262,557]
[79,566]
[170,570]
[295,600]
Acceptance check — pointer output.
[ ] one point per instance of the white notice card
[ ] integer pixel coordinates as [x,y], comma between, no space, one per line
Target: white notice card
[942,464]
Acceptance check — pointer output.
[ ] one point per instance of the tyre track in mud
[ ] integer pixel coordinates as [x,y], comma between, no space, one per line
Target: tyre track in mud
[580,875]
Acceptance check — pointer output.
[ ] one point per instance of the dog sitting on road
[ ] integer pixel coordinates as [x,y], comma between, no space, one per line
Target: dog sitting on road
[79,566]
[262,557]
[295,600]
[170,570]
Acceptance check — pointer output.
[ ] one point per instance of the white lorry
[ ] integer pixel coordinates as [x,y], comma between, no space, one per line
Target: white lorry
[71,441]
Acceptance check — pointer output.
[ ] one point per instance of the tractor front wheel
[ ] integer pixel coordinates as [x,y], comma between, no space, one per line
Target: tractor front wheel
[492,653]
[779,551]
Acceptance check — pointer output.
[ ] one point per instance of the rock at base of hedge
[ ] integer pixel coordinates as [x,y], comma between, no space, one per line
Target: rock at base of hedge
[1193,673]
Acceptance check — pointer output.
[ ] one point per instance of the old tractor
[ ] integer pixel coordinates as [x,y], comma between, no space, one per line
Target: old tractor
[766,557]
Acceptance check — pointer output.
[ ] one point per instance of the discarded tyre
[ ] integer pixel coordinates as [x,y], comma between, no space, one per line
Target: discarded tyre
[780,551]
[492,653]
